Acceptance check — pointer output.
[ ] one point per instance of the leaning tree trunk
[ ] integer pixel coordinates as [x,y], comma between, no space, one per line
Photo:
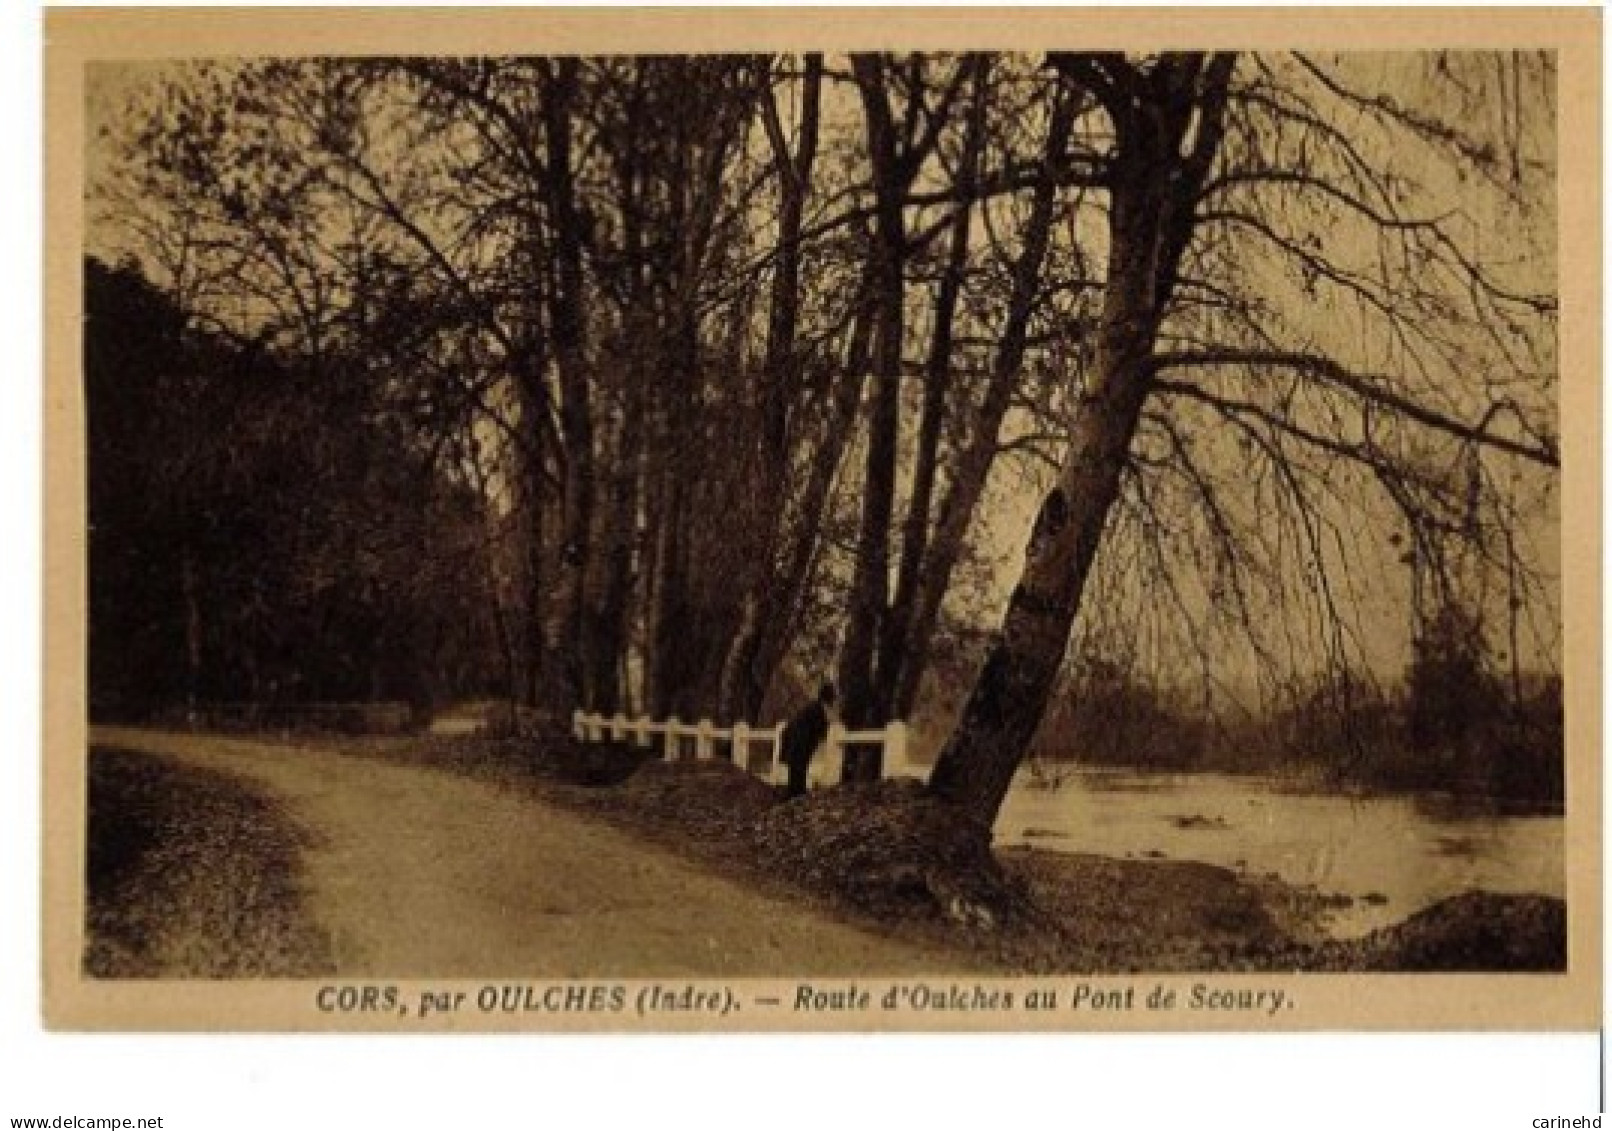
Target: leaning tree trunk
[894,656]
[1165,142]
[918,601]
[1008,699]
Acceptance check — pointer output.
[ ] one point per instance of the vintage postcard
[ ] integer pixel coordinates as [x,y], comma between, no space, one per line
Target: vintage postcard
[751,520]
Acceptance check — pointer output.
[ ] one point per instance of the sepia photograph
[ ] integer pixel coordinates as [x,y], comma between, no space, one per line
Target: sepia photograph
[876,535]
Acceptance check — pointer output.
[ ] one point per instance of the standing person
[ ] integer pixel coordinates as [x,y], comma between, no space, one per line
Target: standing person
[802,736]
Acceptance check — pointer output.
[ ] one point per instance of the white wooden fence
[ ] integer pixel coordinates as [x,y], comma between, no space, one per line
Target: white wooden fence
[755,749]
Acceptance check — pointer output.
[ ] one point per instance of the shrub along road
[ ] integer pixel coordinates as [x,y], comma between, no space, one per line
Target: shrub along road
[410,872]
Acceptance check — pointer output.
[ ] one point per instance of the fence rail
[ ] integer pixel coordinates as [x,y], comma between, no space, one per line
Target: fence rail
[754,749]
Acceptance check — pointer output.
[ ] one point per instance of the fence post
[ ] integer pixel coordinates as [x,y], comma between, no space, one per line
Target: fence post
[703,751]
[618,727]
[777,771]
[577,730]
[741,746]
[836,738]
[836,742]
[895,749]
[641,730]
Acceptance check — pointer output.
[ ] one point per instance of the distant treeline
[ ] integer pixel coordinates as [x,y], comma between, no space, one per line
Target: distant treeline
[1471,734]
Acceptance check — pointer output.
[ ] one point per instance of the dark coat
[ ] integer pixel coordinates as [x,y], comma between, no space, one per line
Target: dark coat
[804,733]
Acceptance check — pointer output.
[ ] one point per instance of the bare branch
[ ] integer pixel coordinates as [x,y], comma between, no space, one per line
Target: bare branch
[1373,389]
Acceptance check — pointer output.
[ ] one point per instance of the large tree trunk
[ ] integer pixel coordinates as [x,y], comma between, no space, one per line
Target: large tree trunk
[526,613]
[576,417]
[620,564]
[666,597]
[677,466]
[1168,130]
[1011,692]
[612,575]
[870,580]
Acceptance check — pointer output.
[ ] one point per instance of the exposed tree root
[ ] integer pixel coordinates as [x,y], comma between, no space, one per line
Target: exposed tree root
[889,847]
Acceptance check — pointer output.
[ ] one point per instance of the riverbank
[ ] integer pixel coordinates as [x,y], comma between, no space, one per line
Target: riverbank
[1379,859]
[883,858]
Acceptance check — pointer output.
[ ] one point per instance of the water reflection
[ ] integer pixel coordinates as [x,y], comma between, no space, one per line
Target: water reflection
[1385,857]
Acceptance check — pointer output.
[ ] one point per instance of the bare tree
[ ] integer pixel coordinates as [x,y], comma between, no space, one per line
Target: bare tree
[1197,153]
[757,341]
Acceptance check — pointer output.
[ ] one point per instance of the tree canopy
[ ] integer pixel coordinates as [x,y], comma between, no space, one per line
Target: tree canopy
[747,365]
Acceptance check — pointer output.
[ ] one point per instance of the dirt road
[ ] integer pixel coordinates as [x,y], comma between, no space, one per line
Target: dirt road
[418,873]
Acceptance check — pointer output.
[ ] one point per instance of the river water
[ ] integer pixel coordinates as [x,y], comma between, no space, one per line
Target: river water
[1392,855]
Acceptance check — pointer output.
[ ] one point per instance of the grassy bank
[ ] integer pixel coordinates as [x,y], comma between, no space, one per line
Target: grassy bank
[191,874]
